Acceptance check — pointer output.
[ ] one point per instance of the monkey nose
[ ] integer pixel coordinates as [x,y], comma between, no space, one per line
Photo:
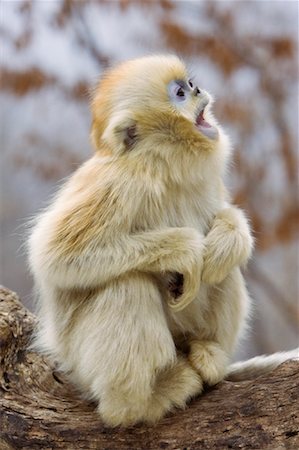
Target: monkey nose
[196,91]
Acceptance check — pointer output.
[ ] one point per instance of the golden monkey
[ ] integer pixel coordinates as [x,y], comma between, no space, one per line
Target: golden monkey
[137,259]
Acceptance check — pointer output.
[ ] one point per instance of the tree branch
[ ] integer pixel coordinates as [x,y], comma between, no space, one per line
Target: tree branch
[40,409]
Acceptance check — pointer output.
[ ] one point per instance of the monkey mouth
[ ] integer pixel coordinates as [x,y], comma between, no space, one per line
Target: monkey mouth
[205,127]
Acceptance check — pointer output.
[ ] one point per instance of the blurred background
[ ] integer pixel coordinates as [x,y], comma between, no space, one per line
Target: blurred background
[244,52]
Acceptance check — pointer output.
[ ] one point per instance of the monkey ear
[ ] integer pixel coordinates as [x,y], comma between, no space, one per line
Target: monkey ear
[121,132]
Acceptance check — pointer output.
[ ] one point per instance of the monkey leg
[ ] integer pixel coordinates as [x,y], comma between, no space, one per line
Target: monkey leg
[219,327]
[138,377]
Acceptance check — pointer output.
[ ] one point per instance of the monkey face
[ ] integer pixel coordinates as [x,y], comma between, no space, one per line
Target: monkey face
[192,103]
[149,101]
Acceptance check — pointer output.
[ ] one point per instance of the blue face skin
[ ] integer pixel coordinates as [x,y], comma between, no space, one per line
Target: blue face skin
[179,90]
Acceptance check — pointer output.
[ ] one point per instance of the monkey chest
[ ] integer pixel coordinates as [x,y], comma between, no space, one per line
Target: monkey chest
[193,213]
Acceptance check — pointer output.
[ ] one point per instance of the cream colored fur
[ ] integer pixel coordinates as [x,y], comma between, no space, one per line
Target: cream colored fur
[148,205]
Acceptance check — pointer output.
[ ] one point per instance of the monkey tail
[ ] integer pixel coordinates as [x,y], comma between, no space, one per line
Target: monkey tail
[259,365]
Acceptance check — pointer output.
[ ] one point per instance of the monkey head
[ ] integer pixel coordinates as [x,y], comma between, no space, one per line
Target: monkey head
[148,103]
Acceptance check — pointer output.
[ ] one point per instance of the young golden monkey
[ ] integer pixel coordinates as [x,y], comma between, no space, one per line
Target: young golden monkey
[137,260]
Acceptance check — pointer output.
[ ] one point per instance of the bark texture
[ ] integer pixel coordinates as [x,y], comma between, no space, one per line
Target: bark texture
[40,409]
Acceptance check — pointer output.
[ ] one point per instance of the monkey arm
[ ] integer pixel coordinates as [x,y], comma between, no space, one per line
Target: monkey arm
[101,260]
[228,244]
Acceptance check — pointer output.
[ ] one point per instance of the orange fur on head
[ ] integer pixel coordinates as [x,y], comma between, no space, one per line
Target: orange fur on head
[135,94]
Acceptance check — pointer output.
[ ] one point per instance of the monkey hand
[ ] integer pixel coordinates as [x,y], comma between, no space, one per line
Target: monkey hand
[186,267]
[228,244]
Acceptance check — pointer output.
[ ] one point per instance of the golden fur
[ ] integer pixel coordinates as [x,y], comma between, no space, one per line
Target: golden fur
[150,204]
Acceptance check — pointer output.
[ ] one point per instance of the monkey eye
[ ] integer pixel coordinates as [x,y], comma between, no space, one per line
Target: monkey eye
[190,83]
[177,90]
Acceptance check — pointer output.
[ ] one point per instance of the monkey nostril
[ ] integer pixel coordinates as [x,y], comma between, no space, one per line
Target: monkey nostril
[196,91]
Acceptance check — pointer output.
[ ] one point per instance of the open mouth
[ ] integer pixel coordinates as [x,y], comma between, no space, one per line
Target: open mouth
[205,127]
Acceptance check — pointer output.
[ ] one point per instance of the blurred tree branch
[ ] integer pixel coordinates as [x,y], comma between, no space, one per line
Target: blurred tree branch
[84,34]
